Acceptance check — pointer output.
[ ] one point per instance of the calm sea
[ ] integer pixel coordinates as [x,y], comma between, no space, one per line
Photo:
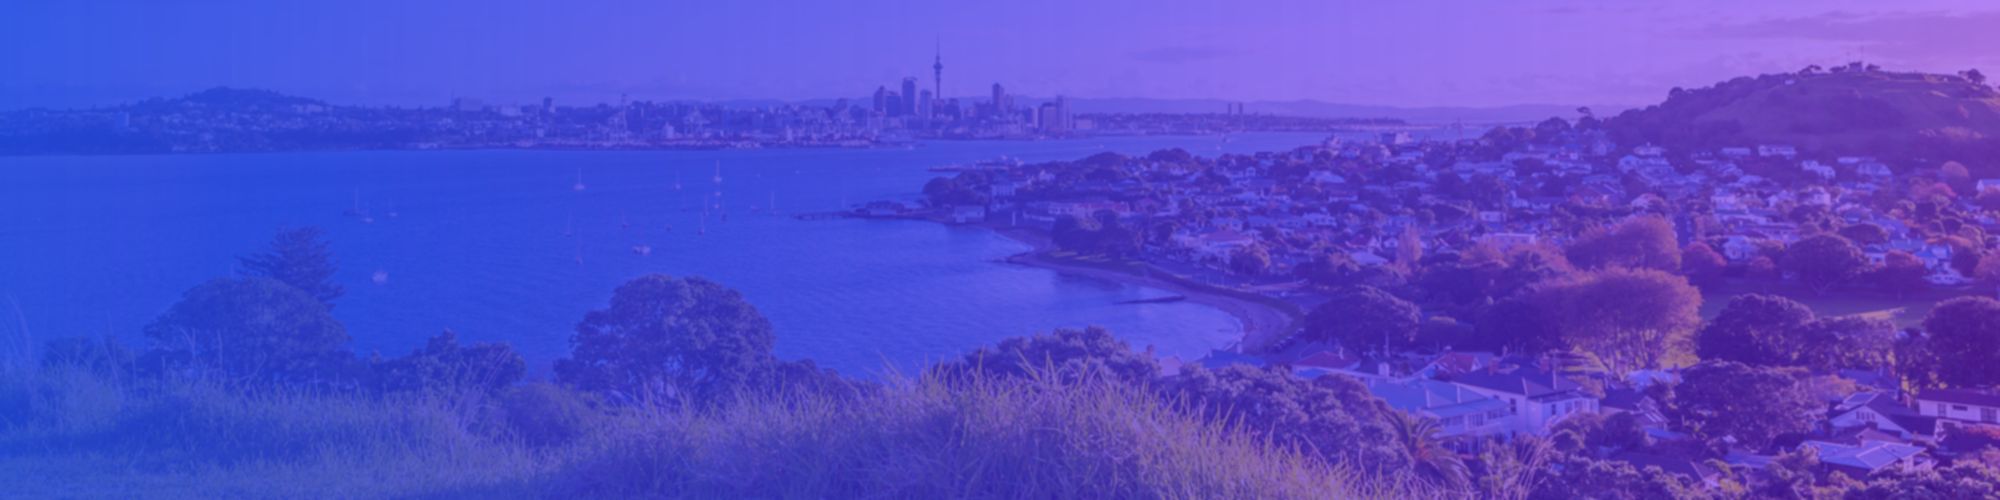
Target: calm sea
[501,246]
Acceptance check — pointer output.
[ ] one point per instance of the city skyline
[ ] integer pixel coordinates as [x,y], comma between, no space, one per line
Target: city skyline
[1558,52]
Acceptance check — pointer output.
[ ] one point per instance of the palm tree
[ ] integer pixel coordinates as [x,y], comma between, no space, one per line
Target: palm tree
[1429,458]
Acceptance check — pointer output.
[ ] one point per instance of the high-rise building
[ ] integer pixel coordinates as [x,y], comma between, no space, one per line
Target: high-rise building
[909,95]
[1003,105]
[1054,116]
[882,100]
[937,70]
[925,104]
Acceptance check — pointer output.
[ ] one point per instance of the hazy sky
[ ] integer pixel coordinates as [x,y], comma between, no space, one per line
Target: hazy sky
[1410,53]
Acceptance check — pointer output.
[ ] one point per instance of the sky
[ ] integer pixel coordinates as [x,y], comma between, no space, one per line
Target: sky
[71,53]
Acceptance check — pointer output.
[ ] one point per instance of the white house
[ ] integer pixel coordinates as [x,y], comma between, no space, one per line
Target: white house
[1881,411]
[1539,398]
[1956,408]
[1458,411]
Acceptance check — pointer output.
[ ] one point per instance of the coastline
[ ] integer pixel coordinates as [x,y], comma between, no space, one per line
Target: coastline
[1262,323]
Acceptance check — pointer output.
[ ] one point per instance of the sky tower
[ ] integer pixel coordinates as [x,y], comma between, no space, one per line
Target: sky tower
[937,72]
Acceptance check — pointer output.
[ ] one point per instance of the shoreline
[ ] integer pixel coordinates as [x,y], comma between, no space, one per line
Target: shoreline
[1261,323]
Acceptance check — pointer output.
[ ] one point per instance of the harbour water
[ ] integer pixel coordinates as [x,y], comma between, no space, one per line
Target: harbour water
[516,246]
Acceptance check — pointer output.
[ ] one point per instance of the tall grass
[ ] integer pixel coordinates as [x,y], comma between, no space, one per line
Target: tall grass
[68,432]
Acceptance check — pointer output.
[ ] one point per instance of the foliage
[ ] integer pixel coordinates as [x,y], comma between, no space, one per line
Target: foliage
[1578,477]
[1639,242]
[1902,273]
[1599,431]
[687,340]
[248,329]
[297,257]
[1963,337]
[1752,404]
[1756,329]
[1630,319]
[1430,459]
[1363,318]
[541,415]
[443,364]
[1331,416]
[1101,233]
[1824,261]
[1849,342]
[1251,260]
[1702,264]
[949,191]
[1068,355]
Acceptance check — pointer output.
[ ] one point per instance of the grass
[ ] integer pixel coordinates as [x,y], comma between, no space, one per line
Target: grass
[1906,312]
[72,432]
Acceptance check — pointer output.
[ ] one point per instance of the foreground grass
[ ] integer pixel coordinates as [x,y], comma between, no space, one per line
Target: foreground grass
[76,433]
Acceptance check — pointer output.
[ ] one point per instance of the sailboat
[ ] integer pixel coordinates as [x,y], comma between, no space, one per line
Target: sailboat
[642,250]
[578,187]
[358,211]
[569,225]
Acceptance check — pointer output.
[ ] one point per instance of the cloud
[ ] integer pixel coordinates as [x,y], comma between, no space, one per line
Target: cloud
[1181,54]
[1905,37]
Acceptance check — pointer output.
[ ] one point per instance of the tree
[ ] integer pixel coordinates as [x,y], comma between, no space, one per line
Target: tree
[1629,318]
[1430,459]
[1974,76]
[1702,265]
[1825,260]
[1756,329]
[1067,355]
[1902,273]
[1364,318]
[1963,479]
[1753,404]
[1640,242]
[678,340]
[1965,336]
[1762,268]
[1250,260]
[1330,269]
[1849,343]
[443,364]
[1335,417]
[1616,432]
[1988,270]
[297,257]
[1581,477]
[249,329]
[1866,233]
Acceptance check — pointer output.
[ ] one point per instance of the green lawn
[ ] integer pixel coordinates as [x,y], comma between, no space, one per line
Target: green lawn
[1905,311]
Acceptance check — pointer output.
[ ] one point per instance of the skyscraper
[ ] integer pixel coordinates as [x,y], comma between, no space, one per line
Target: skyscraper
[1002,105]
[925,104]
[882,100]
[1054,116]
[937,70]
[909,95]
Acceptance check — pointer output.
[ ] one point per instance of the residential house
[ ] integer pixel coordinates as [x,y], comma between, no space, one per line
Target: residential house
[1866,457]
[1459,412]
[1880,411]
[1954,408]
[1541,398]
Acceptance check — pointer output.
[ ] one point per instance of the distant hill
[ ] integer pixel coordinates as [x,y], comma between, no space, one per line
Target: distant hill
[1520,113]
[1850,110]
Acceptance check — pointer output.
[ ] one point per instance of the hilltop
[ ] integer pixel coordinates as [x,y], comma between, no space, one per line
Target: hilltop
[1852,109]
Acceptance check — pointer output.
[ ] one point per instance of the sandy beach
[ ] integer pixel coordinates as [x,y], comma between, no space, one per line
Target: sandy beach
[1262,323]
